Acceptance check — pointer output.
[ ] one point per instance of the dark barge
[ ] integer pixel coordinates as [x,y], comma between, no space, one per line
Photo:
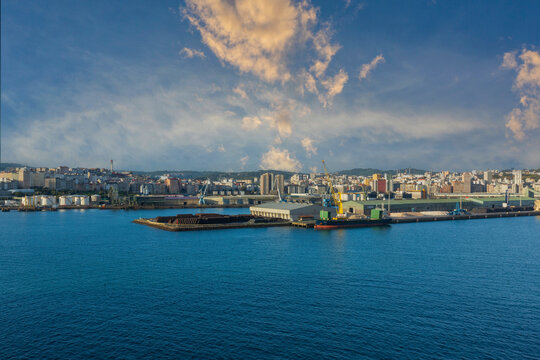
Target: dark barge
[191,222]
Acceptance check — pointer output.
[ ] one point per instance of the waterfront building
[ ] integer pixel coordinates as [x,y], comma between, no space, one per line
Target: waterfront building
[288,211]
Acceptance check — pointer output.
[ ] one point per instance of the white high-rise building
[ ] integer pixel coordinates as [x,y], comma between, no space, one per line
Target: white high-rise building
[517,177]
[266,183]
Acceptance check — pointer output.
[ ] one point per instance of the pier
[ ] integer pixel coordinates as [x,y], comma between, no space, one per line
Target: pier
[426,218]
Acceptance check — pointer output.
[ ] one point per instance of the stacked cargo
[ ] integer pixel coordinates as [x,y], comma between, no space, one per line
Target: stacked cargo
[203,219]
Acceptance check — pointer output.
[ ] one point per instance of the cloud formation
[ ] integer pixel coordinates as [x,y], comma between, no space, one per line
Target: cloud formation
[334,86]
[326,51]
[253,36]
[278,159]
[251,122]
[260,37]
[240,92]
[366,68]
[307,144]
[191,53]
[527,85]
[243,161]
[281,121]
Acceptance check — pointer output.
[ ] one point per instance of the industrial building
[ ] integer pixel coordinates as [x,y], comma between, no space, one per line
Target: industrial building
[180,200]
[289,211]
[238,199]
[396,206]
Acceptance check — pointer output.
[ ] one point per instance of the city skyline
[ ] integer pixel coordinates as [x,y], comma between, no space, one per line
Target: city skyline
[279,85]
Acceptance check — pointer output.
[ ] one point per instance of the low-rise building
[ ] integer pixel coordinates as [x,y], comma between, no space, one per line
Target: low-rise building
[288,211]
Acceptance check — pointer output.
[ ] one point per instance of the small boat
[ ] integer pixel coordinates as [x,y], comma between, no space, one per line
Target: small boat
[337,223]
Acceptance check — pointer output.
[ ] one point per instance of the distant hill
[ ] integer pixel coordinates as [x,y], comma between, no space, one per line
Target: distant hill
[370,171]
[213,175]
[5,166]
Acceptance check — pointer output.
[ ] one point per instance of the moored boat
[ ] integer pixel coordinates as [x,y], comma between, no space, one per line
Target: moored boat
[349,223]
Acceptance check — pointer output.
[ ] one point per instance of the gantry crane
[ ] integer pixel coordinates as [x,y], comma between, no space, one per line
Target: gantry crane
[336,196]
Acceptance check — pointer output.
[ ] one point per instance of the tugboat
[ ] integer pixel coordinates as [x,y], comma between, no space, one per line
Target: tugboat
[377,218]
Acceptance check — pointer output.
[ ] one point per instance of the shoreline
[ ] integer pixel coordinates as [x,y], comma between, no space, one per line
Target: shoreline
[309,224]
[122,207]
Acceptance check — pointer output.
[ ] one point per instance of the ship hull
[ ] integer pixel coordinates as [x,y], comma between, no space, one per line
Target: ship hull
[340,224]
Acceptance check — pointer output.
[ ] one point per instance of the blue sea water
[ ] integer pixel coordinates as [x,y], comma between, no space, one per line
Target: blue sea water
[91,284]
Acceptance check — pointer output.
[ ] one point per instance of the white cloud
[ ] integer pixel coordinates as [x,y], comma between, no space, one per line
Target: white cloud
[191,53]
[326,51]
[278,159]
[526,117]
[308,83]
[221,148]
[251,122]
[307,144]
[243,161]
[366,68]
[253,36]
[334,86]
[509,60]
[281,121]
[240,92]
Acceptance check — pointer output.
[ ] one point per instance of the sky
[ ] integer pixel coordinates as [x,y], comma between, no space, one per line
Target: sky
[238,85]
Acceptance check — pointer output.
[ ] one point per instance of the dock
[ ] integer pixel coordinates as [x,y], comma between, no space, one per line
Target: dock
[426,218]
[305,224]
[199,227]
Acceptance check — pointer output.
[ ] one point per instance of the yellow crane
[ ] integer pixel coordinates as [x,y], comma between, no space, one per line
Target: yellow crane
[335,195]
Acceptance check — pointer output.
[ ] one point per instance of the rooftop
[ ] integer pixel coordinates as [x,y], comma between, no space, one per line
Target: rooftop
[282,205]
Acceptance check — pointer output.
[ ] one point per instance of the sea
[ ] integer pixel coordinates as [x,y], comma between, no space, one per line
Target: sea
[90,284]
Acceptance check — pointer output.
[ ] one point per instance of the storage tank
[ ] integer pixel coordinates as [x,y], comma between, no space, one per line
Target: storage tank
[84,200]
[76,200]
[27,201]
[65,201]
[48,201]
[95,199]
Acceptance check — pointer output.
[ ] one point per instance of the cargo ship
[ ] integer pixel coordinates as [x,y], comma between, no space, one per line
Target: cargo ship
[188,222]
[377,219]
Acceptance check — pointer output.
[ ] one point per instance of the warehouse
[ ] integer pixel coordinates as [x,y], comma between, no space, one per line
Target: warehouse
[289,211]
[497,202]
[397,206]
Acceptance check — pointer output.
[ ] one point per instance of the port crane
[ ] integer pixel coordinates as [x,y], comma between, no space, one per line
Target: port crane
[336,196]
[203,193]
[280,195]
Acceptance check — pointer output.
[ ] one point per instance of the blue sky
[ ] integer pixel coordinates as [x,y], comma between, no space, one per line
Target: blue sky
[241,85]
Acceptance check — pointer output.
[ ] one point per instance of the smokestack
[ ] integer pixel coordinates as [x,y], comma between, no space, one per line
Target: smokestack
[111,166]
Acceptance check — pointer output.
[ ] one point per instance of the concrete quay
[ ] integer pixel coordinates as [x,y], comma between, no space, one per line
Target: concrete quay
[425,218]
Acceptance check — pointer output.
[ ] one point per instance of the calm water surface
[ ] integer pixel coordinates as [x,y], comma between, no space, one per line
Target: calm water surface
[90,284]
